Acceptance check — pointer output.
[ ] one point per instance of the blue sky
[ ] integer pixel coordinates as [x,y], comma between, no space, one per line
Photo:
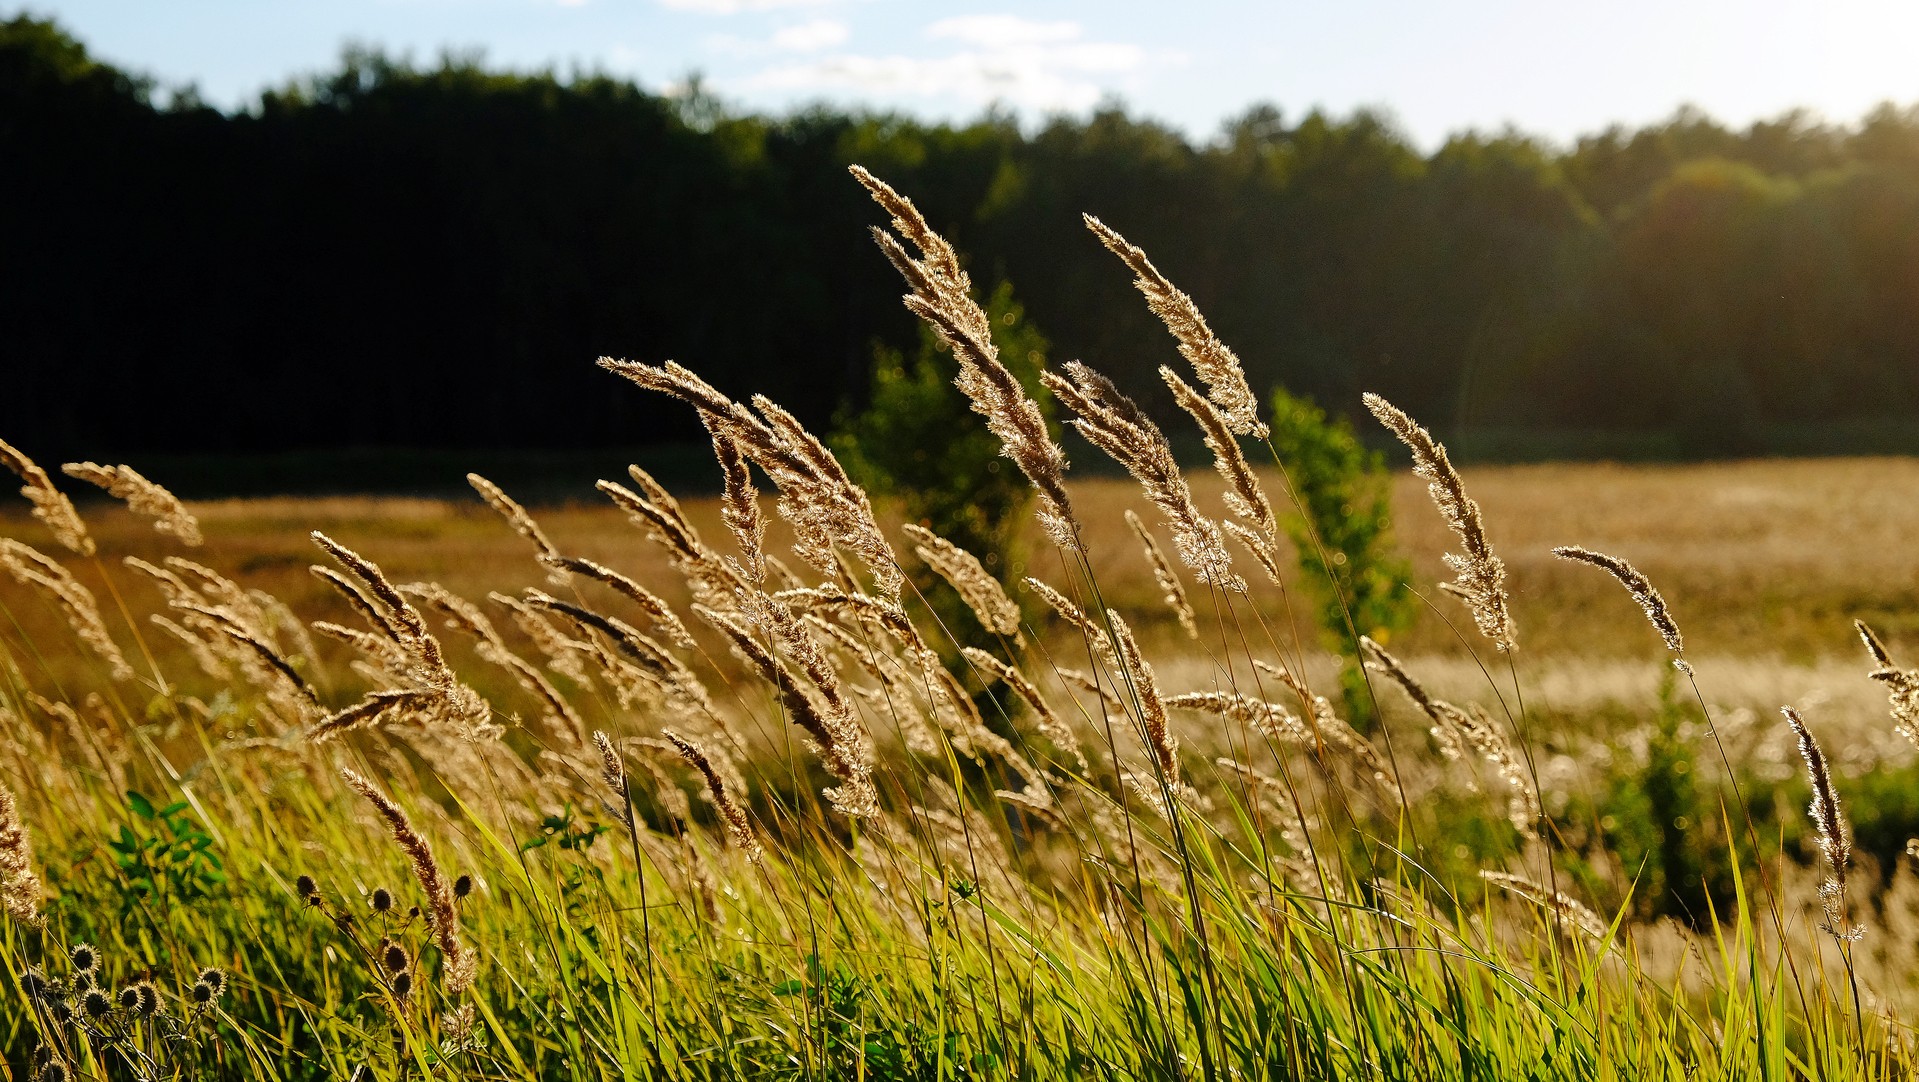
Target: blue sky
[1551,68]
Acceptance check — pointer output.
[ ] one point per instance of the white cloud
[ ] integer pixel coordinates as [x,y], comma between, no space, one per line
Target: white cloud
[735,7]
[810,37]
[1003,58]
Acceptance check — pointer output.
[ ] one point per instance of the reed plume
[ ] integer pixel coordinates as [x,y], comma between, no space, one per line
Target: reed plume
[459,966]
[656,609]
[678,681]
[1050,725]
[942,295]
[1165,576]
[142,497]
[1116,425]
[712,580]
[1642,591]
[740,507]
[1217,365]
[962,570]
[50,505]
[1154,725]
[19,885]
[823,504]
[466,618]
[737,826]
[1902,685]
[522,522]
[1244,495]
[1569,910]
[219,620]
[1481,575]
[1829,823]
[30,566]
[1094,634]
[1449,722]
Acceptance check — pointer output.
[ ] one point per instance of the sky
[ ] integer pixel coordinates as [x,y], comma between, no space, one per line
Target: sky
[1547,67]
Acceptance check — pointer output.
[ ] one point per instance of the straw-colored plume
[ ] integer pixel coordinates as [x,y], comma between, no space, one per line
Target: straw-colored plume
[656,609]
[1570,911]
[740,507]
[1165,576]
[50,505]
[1523,809]
[977,587]
[738,829]
[1244,495]
[817,497]
[1642,591]
[1154,725]
[1094,634]
[1829,824]
[941,294]
[19,884]
[1116,425]
[522,522]
[1050,725]
[30,566]
[219,620]
[458,963]
[1902,685]
[466,618]
[1449,722]
[142,496]
[1217,365]
[1326,724]
[1481,575]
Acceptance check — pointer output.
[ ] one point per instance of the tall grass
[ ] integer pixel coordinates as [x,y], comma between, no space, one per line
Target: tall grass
[797,831]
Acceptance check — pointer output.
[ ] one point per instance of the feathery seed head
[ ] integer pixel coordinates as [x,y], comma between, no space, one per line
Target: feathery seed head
[1642,591]
[142,497]
[50,505]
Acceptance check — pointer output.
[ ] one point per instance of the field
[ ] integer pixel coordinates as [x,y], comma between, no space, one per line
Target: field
[775,785]
[583,973]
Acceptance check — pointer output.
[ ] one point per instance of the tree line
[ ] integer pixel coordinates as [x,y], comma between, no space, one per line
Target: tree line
[396,256]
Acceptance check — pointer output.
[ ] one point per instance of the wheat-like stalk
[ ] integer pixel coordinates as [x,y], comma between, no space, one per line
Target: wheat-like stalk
[1902,685]
[981,592]
[29,565]
[466,618]
[1116,425]
[1829,824]
[740,507]
[1569,910]
[1244,495]
[941,295]
[1165,576]
[19,884]
[1154,724]
[142,496]
[523,523]
[1094,634]
[823,504]
[737,826]
[713,580]
[1481,575]
[1217,365]
[1050,724]
[459,966]
[1642,591]
[1449,722]
[1327,726]
[50,505]
[656,609]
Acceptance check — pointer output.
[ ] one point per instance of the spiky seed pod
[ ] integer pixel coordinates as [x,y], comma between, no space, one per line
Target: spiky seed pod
[50,505]
[83,980]
[307,889]
[201,993]
[381,900]
[1481,575]
[1642,591]
[129,998]
[214,978]
[394,958]
[19,884]
[1216,364]
[34,984]
[1829,823]
[54,1071]
[460,965]
[83,957]
[403,983]
[142,497]
[96,1003]
[462,886]
[942,297]
[149,997]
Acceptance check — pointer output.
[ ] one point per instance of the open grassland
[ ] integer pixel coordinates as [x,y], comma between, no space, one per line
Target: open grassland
[444,791]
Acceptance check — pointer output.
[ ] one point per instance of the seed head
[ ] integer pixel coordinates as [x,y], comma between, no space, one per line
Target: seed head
[95,1003]
[201,993]
[54,1071]
[35,984]
[149,997]
[83,957]
[129,997]
[394,958]
[462,886]
[214,978]
[382,899]
[402,984]
[307,889]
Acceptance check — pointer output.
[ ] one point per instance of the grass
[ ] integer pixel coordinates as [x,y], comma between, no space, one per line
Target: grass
[1192,869]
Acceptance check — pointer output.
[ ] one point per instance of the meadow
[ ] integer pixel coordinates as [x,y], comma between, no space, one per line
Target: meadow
[643,787]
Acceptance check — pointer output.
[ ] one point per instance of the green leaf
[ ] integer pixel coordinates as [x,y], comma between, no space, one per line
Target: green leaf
[141,806]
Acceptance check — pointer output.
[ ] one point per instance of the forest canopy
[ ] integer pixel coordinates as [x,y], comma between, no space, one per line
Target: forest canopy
[433,256]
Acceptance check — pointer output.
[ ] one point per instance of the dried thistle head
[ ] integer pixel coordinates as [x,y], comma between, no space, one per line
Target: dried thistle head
[143,497]
[1481,575]
[50,505]
[1217,365]
[83,957]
